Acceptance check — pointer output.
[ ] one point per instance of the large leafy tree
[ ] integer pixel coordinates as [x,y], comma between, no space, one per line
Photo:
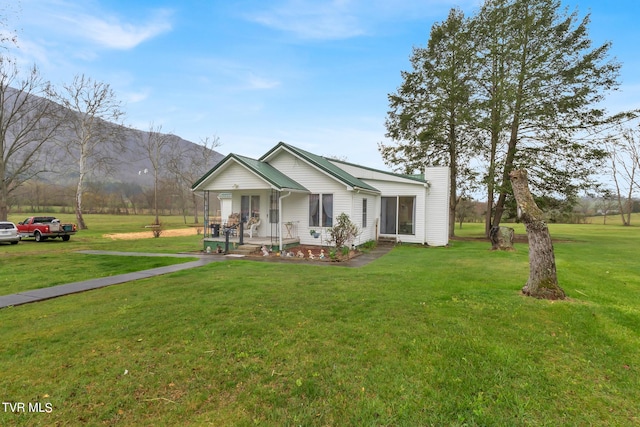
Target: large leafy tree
[431,111]
[527,90]
[550,88]
[492,42]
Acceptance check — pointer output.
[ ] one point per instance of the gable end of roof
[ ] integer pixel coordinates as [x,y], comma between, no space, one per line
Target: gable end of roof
[265,171]
[324,165]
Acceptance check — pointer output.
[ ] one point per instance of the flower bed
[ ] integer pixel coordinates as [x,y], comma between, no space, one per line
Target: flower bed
[312,253]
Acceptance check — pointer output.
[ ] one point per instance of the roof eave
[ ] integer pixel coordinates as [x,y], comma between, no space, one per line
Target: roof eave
[366,190]
[293,190]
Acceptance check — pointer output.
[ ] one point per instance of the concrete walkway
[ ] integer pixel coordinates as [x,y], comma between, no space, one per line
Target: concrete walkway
[87,285]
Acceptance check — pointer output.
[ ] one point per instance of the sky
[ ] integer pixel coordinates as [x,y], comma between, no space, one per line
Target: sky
[314,74]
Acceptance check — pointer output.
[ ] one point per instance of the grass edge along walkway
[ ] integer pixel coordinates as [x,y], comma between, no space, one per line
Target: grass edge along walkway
[87,285]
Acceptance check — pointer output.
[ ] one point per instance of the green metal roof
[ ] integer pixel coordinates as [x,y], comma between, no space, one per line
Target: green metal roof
[325,165]
[414,177]
[264,170]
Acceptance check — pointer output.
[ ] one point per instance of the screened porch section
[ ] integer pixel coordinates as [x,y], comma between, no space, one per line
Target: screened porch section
[249,217]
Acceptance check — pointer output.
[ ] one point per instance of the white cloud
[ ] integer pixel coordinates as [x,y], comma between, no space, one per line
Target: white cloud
[312,20]
[87,22]
[30,52]
[342,19]
[112,33]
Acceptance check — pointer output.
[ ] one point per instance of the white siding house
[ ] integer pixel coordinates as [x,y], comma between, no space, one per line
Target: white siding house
[291,193]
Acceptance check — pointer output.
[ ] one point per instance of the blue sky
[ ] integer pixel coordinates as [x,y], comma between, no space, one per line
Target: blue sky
[315,74]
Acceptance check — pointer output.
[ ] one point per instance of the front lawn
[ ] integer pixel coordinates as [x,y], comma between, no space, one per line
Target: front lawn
[422,336]
[22,273]
[31,265]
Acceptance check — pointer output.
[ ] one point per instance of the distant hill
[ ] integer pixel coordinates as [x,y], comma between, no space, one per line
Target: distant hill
[51,175]
[129,165]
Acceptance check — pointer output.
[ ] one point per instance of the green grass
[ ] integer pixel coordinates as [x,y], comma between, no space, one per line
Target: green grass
[613,219]
[32,265]
[422,336]
[50,270]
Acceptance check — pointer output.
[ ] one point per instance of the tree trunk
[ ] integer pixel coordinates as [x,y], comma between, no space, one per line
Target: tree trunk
[543,280]
[501,238]
[4,205]
[78,208]
[453,173]
[506,174]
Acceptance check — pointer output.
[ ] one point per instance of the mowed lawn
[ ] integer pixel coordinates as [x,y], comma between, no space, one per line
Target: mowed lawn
[422,336]
[31,265]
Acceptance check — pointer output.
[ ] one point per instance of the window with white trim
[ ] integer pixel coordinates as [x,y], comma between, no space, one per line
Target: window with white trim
[364,213]
[320,210]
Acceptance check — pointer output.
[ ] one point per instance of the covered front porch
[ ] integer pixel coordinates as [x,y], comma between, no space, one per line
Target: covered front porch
[255,204]
[249,217]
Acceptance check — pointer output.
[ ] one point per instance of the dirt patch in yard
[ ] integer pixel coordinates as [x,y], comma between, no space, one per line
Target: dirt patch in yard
[149,234]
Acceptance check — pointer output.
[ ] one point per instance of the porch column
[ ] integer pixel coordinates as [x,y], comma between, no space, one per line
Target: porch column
[280,218]
[206,214]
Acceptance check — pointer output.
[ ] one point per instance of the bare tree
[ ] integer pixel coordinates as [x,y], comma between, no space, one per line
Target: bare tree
[624,155]
[465,210]
[606,203]
[582,210]
[88,140]
[27,122]
[188,163]
[543,279]
[155,147]
[8,36]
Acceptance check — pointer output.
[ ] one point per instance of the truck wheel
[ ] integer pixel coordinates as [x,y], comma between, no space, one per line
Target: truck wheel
[38,236]
[65,238]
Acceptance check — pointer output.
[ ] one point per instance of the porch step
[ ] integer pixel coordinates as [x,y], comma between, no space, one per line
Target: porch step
[246,250]
[387,240]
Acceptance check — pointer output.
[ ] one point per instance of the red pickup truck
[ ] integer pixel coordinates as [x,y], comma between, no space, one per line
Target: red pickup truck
[45,227]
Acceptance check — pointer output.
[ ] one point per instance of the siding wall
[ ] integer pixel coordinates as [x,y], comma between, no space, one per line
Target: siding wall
[296,207]
[368,230]
[432,205]
[410,189]
[235,175]
[366,174]
[437,206]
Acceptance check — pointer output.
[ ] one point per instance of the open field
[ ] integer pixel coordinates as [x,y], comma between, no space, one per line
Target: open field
[422,336]
[613,219]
